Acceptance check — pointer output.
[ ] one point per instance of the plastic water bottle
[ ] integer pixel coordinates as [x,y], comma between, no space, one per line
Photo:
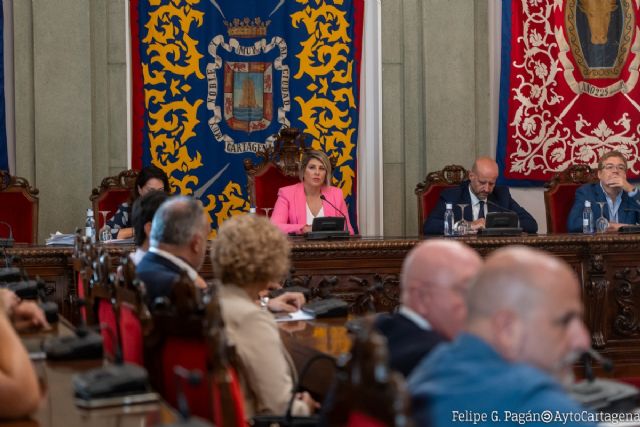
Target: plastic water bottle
[90,226]
[448,220]
[587,218]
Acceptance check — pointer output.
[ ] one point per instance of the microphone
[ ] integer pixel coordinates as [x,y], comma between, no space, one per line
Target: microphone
[7,242]
[324,199]
[607,364]
[502,208]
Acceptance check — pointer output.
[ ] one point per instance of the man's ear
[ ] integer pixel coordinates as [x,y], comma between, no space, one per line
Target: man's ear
[147,229]
[508,333]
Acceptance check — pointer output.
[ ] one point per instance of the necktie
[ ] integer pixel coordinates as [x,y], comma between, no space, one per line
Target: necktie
[481,211]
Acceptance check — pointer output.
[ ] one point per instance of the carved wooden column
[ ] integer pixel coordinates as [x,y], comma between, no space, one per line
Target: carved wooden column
[595,288]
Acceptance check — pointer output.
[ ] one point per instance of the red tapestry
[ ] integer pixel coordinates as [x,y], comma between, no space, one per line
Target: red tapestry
[570,85]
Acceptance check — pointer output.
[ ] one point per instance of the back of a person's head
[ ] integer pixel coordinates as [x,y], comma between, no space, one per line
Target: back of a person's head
[142,212]
[511,279]
[177,221]
[248,250]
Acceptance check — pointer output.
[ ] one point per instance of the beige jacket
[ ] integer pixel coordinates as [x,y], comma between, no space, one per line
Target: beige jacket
[267,372]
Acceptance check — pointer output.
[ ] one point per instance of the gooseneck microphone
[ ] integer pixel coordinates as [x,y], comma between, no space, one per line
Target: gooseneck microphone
[324,199]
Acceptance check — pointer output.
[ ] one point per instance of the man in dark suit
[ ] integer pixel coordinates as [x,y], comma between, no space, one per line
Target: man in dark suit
[622,198]
[481,195]
[435,277]
[179,233]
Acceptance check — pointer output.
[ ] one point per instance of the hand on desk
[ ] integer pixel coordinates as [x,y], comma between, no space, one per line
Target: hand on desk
[477,224]
[28,315]
[23,314]
[311,403]
[289,302]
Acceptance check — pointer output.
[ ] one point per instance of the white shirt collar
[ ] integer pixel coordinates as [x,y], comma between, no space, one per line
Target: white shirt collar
[420,321]
[191,272]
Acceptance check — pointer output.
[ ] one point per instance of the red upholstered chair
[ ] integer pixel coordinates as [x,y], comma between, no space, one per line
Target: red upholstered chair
[18,208]
[560,193]
[428,191]
[92,267]
[133,315]
[278,168]
[185,332]
[113,191]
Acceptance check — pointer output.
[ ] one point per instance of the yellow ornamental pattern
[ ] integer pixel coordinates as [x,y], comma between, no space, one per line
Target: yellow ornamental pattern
[174,58]
[222,206]
[325,59]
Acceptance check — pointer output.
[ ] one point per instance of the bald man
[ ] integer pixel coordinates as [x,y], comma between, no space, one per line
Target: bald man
[481,195]
[524,332]
[434,280]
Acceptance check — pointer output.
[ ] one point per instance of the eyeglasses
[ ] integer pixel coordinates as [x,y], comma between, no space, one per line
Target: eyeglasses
[611,167]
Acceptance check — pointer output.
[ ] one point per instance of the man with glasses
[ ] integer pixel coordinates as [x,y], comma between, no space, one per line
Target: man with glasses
[622,198]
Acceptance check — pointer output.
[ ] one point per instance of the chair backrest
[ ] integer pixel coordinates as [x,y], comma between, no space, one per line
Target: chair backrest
[133,315]
[113,191]
[18,208]
[278,167]
[368,392]
[189,333]
[100,298]
[561,193]
[428,191]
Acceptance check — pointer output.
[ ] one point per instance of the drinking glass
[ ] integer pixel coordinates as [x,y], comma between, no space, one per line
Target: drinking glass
[462,227]
[602,223]
[105,231]
[266,211]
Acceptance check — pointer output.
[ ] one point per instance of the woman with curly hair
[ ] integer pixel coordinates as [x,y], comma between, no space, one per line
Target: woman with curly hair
[248,254]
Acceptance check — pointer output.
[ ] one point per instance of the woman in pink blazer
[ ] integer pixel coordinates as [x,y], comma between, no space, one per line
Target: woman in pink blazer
[298,204]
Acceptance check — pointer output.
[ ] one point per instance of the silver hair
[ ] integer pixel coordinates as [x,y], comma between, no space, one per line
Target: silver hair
[177,221]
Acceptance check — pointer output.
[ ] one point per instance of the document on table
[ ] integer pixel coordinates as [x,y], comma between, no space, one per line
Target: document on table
[295,316]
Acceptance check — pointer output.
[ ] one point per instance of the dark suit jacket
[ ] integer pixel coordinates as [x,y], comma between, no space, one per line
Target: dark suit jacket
[594,193]
[407,343]
[158,274]
[500,196]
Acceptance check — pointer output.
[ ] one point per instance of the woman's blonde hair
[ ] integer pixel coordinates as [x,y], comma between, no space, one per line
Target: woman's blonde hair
[249,250]
[318,155]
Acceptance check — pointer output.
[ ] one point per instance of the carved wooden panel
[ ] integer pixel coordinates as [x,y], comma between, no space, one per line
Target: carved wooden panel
[365,272]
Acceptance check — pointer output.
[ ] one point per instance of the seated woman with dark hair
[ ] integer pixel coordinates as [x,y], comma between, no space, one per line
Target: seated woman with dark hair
[247,255]
[144,208]
[150,178]
[299,204]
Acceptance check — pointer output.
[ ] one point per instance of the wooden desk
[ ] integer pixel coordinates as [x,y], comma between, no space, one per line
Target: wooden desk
[303,339]
[307,340]
[58,408]
[365,273]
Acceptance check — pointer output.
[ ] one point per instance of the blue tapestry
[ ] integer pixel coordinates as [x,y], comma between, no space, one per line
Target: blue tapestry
[220,78]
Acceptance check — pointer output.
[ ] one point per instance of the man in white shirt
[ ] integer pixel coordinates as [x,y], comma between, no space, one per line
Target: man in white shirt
[480,195]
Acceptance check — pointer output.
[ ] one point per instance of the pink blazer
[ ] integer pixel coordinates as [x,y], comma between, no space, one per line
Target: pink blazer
[290,211]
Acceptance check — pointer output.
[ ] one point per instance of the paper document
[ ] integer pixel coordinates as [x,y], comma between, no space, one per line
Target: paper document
[60,239]
[293,317]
